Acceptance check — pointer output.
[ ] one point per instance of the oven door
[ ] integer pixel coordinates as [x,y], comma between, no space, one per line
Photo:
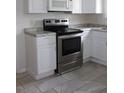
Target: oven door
[69,48]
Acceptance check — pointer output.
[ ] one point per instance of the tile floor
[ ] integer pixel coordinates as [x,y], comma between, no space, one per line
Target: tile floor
[91,78]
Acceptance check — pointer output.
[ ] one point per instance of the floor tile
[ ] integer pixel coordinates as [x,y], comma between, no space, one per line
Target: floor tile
[70,86]
[91,73]
[90,78]
[27,80]
[71,75]
[92,87]
[51,91]
[104,90]
[31,89]
[102,79]
[51,83]
[21,75]
[18,82]
[20,89]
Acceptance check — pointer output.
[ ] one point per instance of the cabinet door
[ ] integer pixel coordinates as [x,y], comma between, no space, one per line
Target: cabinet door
[77,6]
[46,58]
[92,6]
[87,6]
[105,8]
[35,6]
[99,48]
[86,48]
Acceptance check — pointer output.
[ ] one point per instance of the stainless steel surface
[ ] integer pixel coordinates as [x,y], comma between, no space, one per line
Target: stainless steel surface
[64,68]
[70,36]
[70,61]
[66,61]
[55,22]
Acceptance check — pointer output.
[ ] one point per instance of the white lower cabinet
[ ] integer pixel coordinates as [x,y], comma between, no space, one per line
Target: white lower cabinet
[99,47]
[41,55]
[95,46]
[48,57]
[86,45]
[86,48]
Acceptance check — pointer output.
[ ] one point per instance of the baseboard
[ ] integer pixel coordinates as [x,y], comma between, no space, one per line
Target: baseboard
[95,60]
[86,60]
[98,61]
[42,75]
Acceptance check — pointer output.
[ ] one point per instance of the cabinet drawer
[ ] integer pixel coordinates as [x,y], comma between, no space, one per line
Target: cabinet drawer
[99,34]
[46,40]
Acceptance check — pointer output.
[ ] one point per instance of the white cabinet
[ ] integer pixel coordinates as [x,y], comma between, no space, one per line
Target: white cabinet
[35,6]
[41,55]
[99,46]
[105,8]
[87,6]
[95,46]
[86,44]
[46,58]
[77,6]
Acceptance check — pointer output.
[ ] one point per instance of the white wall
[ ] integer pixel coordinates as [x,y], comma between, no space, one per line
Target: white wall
[35,20]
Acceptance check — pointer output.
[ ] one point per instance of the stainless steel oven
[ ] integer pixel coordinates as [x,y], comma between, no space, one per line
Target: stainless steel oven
[70,52]
[69,44]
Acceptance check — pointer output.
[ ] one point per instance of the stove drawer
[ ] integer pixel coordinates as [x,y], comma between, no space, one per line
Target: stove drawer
[63,68]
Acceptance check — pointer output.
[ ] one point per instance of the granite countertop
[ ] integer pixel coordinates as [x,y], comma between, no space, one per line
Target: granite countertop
[91,27]
[37,32]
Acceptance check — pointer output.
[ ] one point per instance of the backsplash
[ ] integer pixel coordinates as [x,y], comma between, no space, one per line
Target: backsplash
[96,18]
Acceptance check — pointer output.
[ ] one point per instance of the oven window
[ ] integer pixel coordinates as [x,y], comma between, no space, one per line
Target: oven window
[71,45]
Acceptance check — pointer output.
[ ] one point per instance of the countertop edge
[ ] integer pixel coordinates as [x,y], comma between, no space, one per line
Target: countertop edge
[37,32]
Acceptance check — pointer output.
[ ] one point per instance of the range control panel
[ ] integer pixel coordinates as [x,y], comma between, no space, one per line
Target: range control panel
[56,21]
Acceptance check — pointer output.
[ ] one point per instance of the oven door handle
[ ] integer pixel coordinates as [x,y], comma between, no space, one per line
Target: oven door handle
[70,36]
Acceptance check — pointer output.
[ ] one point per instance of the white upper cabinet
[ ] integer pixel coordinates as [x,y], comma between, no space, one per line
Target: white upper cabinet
[77,6]
[105,8]
[35,6]
[87,6]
